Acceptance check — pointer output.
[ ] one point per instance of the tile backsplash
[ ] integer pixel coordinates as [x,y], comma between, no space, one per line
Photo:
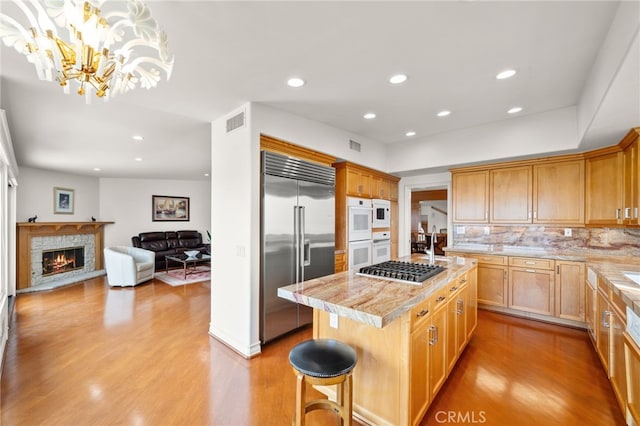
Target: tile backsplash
[610,241]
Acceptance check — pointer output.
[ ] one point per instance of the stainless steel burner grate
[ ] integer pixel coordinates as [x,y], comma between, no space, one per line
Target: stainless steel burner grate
[414,273]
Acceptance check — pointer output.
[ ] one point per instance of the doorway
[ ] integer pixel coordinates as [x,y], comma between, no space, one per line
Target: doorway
[429,216]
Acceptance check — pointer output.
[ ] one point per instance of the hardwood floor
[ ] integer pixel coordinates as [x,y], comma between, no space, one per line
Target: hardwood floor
[88,354]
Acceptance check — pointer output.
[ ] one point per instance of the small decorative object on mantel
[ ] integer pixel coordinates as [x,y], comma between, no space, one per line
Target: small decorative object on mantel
[93,219]
[33,219]
[169,209]
[62,201]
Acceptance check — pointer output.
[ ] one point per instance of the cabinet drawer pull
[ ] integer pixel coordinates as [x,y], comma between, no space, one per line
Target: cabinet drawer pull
[463,281]
[460,306]
[627,212]
[440,299]
[529,262]
[604,321]
[617,213]
[422,313]
[454,288]
[530,270]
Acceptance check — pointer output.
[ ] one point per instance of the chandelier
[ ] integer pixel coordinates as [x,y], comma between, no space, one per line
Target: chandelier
[104,47]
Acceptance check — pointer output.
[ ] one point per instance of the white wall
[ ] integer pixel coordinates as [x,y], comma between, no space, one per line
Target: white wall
[127,202]
[530,135]
[235,224]
[35,196]
[317,136]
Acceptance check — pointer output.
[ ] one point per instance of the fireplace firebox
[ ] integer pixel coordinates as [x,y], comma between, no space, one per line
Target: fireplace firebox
[62,260]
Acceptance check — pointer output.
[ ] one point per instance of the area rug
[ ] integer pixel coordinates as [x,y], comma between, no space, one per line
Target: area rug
[175,277]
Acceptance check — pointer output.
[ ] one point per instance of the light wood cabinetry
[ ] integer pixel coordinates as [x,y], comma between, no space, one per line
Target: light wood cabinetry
[511,194]
[531,290]
[603,198]
[403,365]
[632,357]
[340,262]
[603,332]
[617,370]
[358,183]
[631,177]
[470,192]
[493,272]
[558,192]
[549,191]
[591,309]
[457,311]
[570,290]
[472,304]
[380,188]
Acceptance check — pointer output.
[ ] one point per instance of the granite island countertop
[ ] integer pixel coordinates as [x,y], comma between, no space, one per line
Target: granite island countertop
[369,300]
[610,268]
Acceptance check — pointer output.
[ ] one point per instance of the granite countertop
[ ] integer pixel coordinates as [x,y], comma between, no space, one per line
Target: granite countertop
[372,301]
[610,268]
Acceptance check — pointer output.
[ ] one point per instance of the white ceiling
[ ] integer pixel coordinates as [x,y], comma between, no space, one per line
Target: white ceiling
[229,53]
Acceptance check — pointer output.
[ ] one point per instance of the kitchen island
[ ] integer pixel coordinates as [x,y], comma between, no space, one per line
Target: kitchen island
[408,336]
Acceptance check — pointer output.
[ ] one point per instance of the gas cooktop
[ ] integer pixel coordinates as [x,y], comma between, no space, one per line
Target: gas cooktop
[407,272]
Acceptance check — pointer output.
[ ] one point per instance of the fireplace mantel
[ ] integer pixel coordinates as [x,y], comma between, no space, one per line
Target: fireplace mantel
[27,230]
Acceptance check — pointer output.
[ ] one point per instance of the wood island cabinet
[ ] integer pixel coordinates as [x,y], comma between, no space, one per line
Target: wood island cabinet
[603,329]
[617,370]
[408,358]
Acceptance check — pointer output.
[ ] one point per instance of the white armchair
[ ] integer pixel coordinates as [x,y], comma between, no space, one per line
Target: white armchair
[128,266]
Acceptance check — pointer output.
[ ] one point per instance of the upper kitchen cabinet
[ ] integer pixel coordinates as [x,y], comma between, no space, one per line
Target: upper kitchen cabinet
[470,194]
[558,192]
[612,187]
[546,191]
[631,177]
[604,190]
[511,194]
[363,182]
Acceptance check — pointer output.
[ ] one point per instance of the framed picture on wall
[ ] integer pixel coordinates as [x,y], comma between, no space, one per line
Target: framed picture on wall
[63,201]
[170,209]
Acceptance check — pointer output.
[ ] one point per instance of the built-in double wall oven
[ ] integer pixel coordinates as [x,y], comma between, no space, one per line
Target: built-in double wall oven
[360,232]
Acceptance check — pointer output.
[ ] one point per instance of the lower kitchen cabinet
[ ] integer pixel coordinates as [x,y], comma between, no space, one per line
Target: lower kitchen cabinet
[632,356]
[438,349]
[531,290]
[603,332]
[591,307]
[419,367]
[617,368]
[570,290]
[456,321]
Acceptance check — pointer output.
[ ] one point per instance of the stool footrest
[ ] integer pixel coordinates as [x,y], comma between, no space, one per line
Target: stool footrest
[323,404]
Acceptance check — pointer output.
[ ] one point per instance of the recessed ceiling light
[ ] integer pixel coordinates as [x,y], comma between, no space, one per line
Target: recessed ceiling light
[138,138]
[506,74]
[295,82]
[138,159]
[514,110]
[206,174]
[397,79]
[444,113]
[96,169]
[410,133]
[369,115]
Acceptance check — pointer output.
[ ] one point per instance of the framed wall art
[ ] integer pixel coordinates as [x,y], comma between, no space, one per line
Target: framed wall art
[63,200]
[170,209]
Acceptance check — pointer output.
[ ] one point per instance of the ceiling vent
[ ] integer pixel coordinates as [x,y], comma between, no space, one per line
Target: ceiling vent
[354,145]
[235,122]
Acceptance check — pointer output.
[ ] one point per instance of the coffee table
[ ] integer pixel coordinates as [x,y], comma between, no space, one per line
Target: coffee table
[188,263]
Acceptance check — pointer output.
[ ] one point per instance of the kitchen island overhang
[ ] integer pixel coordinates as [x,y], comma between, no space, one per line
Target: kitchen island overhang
[408,337]
[373,300]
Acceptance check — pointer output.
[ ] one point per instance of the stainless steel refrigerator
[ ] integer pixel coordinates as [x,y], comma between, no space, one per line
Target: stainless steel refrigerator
[297,237]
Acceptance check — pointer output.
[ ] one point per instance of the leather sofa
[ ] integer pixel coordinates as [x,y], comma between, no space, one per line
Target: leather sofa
[128,266]
[164,243]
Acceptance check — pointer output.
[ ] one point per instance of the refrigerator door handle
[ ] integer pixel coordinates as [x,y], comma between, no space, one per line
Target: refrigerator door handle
[304,243]
[307,252]
[296,239]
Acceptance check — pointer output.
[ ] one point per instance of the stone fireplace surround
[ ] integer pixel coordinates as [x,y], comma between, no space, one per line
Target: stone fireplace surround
[33,238]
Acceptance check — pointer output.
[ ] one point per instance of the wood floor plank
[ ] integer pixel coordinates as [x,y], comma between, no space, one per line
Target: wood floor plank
[90,354]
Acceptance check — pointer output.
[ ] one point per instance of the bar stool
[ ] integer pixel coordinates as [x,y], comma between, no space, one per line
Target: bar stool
[323,362]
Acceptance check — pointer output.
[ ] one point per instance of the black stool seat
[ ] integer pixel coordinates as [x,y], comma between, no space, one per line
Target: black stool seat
[323,358]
